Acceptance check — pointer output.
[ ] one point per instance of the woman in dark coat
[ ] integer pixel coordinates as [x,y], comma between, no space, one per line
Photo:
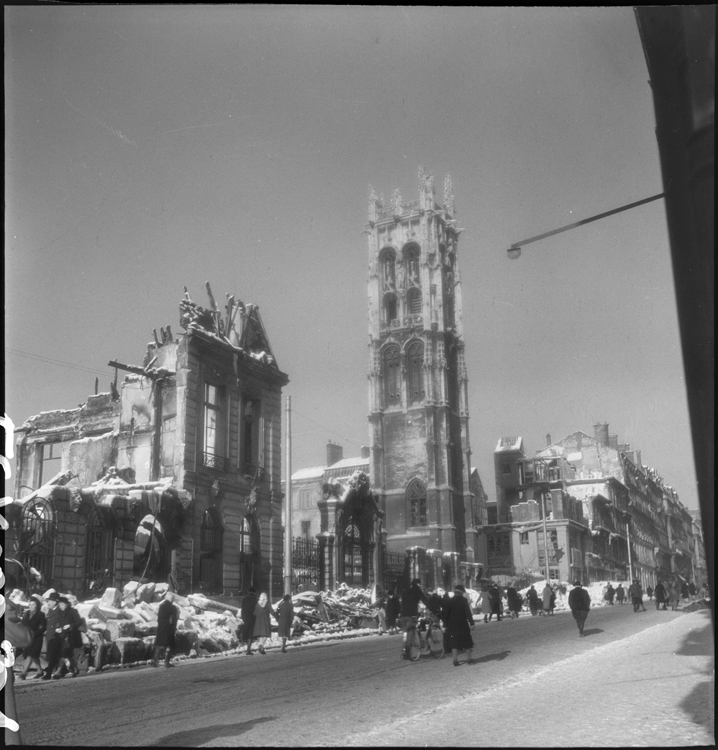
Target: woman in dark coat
[63,629]
[36,622]
[249,604]
[459,623]
[285,617]
[74,644]
[262,628]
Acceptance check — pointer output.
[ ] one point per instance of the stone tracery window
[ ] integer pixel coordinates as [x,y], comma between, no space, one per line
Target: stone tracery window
[388,268]
[413,301]
[411,255]
[416,495]
[390,309]
[415,372]
[391,366]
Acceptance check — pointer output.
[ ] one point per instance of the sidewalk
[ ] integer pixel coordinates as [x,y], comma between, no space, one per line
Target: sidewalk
[655,688]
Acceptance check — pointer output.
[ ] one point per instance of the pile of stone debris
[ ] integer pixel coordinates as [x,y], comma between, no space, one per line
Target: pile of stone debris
[122,624]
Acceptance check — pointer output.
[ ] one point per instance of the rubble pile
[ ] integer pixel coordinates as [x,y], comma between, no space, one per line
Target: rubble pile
[122,624]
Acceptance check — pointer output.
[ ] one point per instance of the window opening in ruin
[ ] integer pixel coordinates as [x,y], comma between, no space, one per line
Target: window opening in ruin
[51,463]
[392,376]
[415,361]
[251,438]
[416,495]
[100,554]
[248,554]
[524,537]
[505,468]
[390,308]
[352,556]
[214,436]
[151,553]
[37,539]
[210,552]
[305,529]
[413,301]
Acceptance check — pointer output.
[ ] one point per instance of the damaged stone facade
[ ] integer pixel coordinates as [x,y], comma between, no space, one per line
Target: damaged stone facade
[607,516]
[419,414]
[175,475]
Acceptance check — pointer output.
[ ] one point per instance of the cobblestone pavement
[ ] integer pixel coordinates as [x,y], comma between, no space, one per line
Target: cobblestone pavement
[654,688]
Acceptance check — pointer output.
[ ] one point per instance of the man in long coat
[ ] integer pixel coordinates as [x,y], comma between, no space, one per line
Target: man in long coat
[167,618]
[247,613]
[579,601]
[459,624]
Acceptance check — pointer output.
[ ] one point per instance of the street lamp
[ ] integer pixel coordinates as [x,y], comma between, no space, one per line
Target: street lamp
[514,251]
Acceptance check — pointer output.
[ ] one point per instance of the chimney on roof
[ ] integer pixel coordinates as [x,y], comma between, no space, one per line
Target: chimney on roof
[637,458]
[624,447]
[334,453]
[613,442]
[365,452]
[600,433]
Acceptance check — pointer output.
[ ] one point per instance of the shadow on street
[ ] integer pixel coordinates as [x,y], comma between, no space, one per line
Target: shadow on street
[197,737]
[592,631]
[491,657]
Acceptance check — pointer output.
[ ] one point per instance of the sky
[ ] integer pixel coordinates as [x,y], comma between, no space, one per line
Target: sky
[149,148]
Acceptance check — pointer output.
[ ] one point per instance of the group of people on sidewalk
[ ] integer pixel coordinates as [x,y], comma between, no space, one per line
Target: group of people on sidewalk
[255,612]
[57,624]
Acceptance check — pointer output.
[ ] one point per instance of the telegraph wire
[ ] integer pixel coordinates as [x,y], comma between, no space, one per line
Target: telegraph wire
[52,361]
[324,427]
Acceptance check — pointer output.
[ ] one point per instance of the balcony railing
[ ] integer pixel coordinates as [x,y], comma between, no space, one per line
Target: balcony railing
[213,461]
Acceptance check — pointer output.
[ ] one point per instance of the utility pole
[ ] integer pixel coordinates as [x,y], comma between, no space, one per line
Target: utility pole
[545,537]
[288,504]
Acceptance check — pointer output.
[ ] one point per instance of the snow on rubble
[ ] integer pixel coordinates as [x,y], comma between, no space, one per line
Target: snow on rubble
[122,624]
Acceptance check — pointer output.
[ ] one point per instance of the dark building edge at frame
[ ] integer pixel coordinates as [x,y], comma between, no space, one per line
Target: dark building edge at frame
[679,47]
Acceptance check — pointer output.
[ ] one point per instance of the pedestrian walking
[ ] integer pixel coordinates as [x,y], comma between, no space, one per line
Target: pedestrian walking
[552,604]
[661,594]
[73,641]
[579,602]
[684,591]
[610,594]
[485,604]
[513,600]
[546,598]
[63,628]
[533,598]
[496,603]
[262,627]
[285,617]
[674,594]
[246,612]
[393,607]
[167,619]
[636,593]
[620,593]
[53,648]
[649,592]
[459,624]
[36,622]
[692,590]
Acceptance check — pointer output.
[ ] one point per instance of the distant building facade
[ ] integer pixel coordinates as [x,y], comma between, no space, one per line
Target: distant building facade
[175,475]
[608,517]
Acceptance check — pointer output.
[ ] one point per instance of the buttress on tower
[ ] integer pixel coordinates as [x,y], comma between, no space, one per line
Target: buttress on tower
[418,394]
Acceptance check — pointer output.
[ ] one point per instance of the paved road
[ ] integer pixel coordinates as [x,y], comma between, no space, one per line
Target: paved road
[313,695]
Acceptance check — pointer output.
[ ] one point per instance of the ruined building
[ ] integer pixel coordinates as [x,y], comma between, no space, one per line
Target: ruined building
[173,474]
[418,399]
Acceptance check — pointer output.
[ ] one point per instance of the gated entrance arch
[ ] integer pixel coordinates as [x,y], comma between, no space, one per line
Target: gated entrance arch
[353,556]
[249,554]
[100,556]
[210,552]
[37,538]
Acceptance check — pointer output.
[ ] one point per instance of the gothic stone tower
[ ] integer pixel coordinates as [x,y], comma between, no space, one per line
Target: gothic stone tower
[418,401]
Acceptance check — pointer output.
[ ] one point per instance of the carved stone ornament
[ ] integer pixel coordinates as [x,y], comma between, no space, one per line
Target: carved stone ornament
[250,504]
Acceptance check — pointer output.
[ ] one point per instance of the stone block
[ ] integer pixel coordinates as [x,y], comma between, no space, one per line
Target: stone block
[109,613]
[146,611]
[145,592]
[127,651]
[112,598]
[88,610]
[115,629]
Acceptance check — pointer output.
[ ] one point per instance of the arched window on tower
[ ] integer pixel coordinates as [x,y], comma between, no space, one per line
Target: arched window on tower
[390,308]
[411,255]
[415,372]
[416,496]
[391,361]
[388,268]
[413,301]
